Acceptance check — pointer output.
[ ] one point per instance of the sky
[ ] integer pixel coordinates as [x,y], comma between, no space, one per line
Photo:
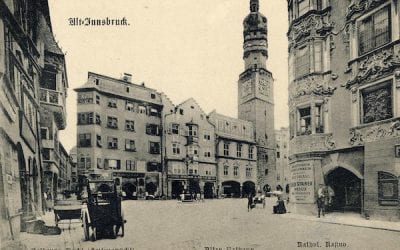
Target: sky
[184,48]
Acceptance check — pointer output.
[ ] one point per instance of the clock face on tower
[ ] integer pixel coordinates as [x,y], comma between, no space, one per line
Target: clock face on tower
[246,88]
[263,87]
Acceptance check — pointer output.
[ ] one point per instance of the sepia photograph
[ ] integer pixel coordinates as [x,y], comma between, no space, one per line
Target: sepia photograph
[199,124]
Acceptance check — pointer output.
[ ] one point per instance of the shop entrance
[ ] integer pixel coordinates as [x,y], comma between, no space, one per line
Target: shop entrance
[129,190]
[248,188]
[231,189]
[347,190]
[208,190]
[177,189]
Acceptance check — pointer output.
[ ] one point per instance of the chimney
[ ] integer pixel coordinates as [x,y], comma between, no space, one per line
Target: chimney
[127,77]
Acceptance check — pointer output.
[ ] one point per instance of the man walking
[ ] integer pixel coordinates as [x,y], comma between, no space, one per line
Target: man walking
[321,200]
[249,202]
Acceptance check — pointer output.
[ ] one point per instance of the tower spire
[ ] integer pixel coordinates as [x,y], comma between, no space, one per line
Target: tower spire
[254,5]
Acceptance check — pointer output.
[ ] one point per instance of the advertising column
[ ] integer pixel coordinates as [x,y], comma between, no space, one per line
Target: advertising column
[302,185]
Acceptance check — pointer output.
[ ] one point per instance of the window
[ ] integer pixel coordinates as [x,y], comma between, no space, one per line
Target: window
[248,172]
[192,130]
[193,150]
[97,99]
[154,148]
[142,109]
[304,121]
[153,96]
[319,125]
[235,170]
[154,112]
[85,118]
[85,140]
[176,149]
[181,111]
[112,164]
[85,163]
[226,170]
[207,135]
[44,133]
[251,153]
[374,31]
[112,122]
[127,89]
[278,154]
[129,106]
[98,141]
[98,119]
[318,57]
[302,62]
[99,165]
[152,129]
[226,149]
[377,103]
[130,125]
[96,81]
[175,128]
[207,154]
[112,142]
[85,98]
[130,145]
[388,189]
[239,150]
[112,103]
[130,165]
[303,6]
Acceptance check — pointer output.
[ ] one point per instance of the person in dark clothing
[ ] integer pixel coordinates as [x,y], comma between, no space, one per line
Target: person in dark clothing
[249,202]
[279,208]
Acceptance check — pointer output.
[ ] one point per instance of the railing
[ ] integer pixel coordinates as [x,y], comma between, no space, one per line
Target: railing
[51,96]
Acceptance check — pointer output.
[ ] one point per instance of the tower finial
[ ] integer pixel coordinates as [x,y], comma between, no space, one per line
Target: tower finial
[254,5]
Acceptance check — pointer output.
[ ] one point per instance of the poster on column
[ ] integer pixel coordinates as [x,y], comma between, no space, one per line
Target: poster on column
[302,186]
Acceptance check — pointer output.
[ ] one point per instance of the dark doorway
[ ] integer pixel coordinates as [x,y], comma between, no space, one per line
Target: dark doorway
[23,177]
[194,186]
[231,189]
[208,190]
[347,190]
[177,189]
[151,188]
[129,189]
[248,188]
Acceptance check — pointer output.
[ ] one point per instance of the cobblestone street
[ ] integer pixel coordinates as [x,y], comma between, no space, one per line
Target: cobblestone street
[219,224]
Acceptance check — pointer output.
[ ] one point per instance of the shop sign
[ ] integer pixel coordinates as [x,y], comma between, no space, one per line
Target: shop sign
[128,175]
[302,185]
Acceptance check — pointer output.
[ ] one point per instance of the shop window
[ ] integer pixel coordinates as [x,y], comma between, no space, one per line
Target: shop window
[85,140]
[154,148]
[377,103]
[130,145]
[388,189]
[112,142]
[374,31]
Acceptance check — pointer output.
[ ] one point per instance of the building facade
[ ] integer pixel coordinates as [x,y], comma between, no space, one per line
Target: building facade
[344,104]
[283,175]
[26,51]
[255,94]
[236,155]
[119,133]
[190,151]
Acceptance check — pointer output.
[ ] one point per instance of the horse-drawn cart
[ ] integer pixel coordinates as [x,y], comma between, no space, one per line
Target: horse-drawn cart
[67,210]
[102,213]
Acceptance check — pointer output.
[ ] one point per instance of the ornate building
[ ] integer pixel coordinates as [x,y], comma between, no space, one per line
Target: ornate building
[282,158]
[344,104]
[255,93]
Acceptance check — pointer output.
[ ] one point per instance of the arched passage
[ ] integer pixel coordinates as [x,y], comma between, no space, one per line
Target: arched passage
[129,189]
[347,190]
[177,188]
[248,188]
[231,189]
[151,188]
[208,190]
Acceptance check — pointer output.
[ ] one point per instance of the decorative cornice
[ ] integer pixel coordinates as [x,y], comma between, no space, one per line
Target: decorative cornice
[310,85]
[361,6]
[312,24]
[375,65]
[359,135]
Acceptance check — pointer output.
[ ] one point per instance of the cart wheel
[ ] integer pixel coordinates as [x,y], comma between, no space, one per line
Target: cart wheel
[85,227]
[94,234]
[122,229]
[114,232]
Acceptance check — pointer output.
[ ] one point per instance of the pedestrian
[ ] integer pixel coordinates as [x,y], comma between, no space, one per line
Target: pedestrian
[45,201]
[321,200]
[250,202]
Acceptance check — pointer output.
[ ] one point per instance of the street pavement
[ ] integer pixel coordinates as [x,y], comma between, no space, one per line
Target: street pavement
[215,224]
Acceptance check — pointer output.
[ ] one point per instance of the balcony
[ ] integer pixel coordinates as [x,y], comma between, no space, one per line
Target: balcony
[55,102]
[311,143]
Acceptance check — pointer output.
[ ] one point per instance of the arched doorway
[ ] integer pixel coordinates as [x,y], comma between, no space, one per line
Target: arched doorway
[129,189]
[177,189]
[248,188]
[231,189]
[194,186]
[208,190]
[151,188]
[23,179]
[347,190]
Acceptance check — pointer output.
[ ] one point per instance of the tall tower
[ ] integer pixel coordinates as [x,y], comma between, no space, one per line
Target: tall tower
[255,97]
